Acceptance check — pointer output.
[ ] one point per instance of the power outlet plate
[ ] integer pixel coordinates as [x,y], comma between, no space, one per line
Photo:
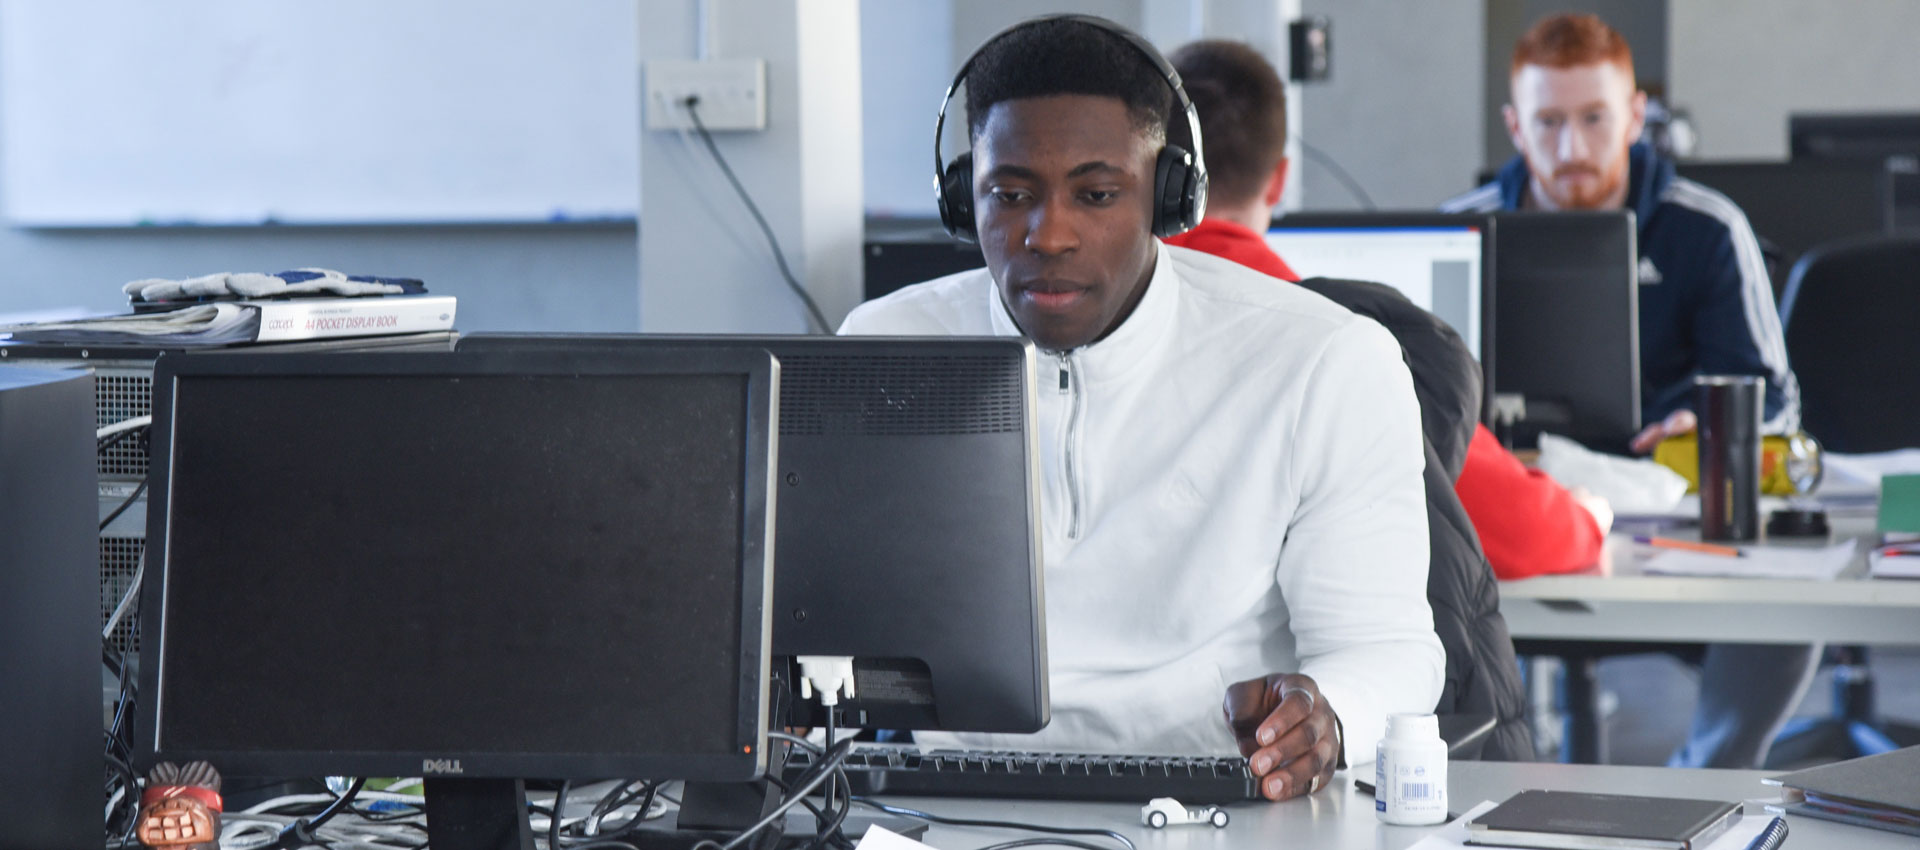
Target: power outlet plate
[732,94]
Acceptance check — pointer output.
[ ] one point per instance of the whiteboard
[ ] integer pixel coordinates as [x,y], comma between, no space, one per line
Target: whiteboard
[124,112]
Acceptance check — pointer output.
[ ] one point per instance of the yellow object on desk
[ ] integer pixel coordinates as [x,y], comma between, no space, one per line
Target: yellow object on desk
[1789,465]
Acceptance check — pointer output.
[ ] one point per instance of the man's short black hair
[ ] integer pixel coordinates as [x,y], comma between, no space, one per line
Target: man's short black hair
[1067,57]
[1243,114]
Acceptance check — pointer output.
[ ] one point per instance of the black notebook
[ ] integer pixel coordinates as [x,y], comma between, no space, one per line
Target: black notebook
[1577,821]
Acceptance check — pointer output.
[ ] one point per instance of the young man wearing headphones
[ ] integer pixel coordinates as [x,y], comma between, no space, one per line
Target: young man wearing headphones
[1235,533]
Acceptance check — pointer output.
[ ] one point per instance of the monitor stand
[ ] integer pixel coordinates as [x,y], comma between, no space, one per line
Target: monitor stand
[478,814]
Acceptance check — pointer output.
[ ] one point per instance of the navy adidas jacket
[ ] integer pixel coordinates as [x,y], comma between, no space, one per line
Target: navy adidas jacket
[1706,306]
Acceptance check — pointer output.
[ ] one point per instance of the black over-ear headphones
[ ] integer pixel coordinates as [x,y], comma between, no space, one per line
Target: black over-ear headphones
[1179,177]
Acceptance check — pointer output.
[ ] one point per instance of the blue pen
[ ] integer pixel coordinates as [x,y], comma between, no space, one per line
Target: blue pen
[1772,837]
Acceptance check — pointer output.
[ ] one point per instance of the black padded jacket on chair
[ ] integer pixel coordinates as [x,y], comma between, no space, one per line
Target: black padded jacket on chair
[1849,316]
[1483,676]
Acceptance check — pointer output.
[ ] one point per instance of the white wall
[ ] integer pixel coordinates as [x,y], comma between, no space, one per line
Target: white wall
[1403,111]
[910,50]
[1741,66]
[704,265]
[906,62]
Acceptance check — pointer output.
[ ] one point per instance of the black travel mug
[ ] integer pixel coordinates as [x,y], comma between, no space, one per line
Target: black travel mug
[1728,407]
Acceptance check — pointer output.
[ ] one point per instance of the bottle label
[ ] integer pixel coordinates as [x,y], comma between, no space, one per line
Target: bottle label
[1380,779]
[1414,790]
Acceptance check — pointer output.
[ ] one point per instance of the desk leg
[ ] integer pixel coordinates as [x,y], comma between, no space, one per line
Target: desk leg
[1586,738]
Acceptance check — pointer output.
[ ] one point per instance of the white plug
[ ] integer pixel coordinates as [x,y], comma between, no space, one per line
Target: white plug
[831,675]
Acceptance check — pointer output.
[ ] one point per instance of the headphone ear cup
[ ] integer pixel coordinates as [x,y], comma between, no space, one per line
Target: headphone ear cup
[956,198]
[1175,184]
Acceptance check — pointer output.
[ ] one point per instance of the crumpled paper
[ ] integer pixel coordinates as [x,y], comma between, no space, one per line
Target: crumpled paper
[1631,486]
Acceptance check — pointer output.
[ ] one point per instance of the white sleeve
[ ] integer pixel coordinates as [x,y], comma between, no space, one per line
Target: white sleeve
[1353,567]
[866,320]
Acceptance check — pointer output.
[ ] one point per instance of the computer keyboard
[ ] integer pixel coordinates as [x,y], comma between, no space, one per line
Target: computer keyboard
[896,771]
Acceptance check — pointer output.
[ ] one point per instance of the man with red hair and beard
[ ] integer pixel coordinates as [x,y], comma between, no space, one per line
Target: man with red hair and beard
[1706,307]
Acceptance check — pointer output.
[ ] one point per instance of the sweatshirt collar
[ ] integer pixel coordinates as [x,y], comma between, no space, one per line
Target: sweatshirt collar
[1137,337]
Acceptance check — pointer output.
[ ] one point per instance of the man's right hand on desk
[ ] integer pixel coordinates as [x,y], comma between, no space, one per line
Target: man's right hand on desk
[1288,733]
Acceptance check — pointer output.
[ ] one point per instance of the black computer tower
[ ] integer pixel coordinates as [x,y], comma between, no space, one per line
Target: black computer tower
[50,789]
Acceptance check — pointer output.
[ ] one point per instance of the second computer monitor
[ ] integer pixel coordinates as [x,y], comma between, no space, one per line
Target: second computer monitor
[1566,302]
[1440,261]
[1797,205]
[907,526]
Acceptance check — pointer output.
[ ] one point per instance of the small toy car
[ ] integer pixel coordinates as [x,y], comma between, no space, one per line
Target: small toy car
[1163,811]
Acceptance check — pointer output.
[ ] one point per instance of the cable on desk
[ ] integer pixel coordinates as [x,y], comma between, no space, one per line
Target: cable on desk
[828,832]
[994,824]
[1044,842]
[559,814]
[300,833]
[812,779]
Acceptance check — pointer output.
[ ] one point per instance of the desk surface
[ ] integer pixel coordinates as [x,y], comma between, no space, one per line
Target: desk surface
[1341,818]
[1625,604]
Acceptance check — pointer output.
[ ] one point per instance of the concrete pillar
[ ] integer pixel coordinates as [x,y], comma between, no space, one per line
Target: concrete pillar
[1260,23]
[704,266]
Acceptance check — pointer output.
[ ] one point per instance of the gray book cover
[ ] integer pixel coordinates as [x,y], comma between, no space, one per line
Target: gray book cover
[1889,780]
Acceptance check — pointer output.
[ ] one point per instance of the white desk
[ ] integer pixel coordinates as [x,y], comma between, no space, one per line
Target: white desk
[1340,818]
[1628,605]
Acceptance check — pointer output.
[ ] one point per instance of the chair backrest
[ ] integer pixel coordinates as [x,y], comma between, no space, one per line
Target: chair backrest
[1852,318]
[1482,676]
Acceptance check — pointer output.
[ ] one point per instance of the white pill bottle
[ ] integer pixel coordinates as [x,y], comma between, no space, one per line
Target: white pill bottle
[1410,772]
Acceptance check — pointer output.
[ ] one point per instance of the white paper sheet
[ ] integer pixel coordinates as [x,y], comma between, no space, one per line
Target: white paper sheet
[1818,563]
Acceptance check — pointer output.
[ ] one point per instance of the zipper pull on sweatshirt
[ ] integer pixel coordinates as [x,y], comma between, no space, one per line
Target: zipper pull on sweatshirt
[1066,381]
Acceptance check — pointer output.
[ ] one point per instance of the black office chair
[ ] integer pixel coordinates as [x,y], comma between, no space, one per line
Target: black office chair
[1482,693]
[1848,313]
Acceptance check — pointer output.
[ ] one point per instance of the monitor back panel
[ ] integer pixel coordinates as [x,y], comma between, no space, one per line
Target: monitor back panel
[907,532]
[1566,304]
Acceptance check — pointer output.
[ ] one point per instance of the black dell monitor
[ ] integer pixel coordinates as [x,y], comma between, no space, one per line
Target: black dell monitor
[1442,262]
[472,567]
[1566,310]
[908,531]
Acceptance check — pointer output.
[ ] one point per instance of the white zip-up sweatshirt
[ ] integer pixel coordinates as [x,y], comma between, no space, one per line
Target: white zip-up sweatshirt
[1232,487]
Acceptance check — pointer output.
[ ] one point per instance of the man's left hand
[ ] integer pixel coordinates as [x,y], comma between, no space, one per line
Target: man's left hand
[1288,733]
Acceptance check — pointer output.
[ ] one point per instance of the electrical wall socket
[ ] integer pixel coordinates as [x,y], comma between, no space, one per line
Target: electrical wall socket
[732,94]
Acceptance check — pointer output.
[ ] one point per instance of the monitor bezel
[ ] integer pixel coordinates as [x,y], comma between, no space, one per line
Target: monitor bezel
[746,757]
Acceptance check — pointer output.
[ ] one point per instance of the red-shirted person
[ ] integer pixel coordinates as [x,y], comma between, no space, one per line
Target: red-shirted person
[1528,524]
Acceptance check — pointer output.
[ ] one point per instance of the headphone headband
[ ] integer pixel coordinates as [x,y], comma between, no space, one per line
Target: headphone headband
[1198,166]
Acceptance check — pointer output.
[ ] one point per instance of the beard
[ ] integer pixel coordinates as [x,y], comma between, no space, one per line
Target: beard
[1597,187]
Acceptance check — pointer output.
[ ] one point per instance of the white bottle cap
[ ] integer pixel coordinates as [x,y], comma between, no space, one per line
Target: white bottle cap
[1412,727]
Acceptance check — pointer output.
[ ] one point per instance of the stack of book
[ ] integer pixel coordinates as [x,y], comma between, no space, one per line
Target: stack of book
[220,323]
